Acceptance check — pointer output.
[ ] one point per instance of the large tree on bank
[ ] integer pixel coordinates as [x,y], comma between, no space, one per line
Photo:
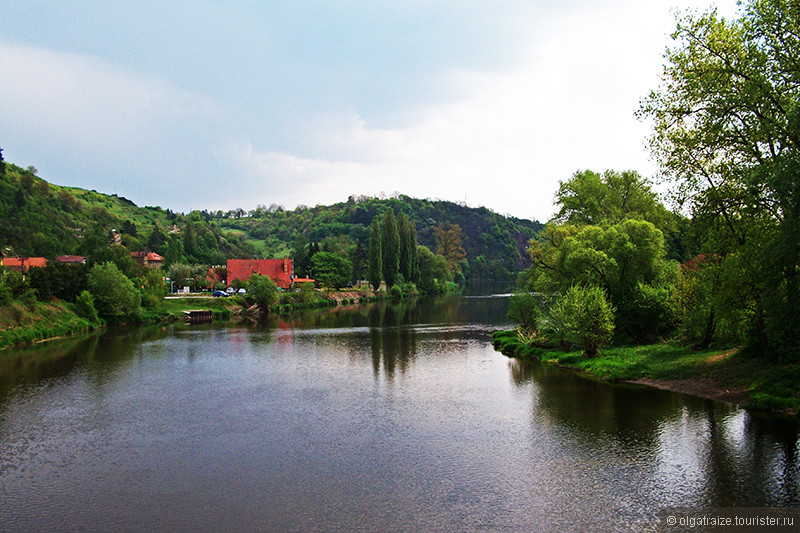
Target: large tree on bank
[727,135]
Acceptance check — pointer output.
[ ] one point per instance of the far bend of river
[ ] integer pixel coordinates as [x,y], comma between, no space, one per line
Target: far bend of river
[390,417]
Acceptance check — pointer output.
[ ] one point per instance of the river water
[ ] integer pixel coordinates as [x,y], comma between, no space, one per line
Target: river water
[389,417]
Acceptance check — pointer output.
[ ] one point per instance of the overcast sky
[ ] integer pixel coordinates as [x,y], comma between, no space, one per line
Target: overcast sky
[218,105]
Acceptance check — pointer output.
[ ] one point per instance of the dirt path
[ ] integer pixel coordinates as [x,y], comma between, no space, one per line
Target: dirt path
[702,387]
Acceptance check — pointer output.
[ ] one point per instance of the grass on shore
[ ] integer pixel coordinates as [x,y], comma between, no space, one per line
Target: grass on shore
[21,323]
[767,384]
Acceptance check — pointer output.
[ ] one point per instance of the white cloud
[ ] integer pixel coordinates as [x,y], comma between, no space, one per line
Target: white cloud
[503,140]
[512,136]
[106,117]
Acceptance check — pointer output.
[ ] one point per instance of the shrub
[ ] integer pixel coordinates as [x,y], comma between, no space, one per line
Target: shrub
[84,307]
[586,314]
[262,291]
[115,296]
[525,310]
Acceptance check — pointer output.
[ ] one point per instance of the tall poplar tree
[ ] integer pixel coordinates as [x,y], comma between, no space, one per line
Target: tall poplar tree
[375,261]
[404,259]
[390,248]
[414,253]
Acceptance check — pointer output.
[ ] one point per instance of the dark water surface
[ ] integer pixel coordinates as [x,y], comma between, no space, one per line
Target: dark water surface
[379,418]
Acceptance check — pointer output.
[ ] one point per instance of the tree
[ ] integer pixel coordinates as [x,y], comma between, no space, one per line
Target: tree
[727,135]
[331,269]
[157,238]
[190,240]
[300,255]
[585,313]
[61,280]
[448,245]
[404,256]
[115,297]
[414,253]
[263,291]
[390,248]
[375,258]
[129,228]
[174,252]
[433,274]
[2,164]
[360,260]
[627,259]
[592,198]
[524,309]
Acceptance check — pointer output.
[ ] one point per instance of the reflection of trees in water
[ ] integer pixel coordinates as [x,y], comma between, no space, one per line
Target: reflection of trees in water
[100,353]
[392,340]
[695,451]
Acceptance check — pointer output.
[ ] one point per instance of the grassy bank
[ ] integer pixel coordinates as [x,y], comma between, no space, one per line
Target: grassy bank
[20,323]
[724,374]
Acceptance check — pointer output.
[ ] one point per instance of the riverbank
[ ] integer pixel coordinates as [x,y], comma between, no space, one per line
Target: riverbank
[37,321]
[33,322]
[728,375]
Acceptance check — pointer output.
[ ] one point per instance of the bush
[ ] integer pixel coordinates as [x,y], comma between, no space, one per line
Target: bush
[84,307]
[396,291]
[586,314]
[115,296]
[524,309]
[262,291]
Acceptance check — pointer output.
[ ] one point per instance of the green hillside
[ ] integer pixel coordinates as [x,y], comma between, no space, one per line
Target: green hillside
[38,218]
[495,245]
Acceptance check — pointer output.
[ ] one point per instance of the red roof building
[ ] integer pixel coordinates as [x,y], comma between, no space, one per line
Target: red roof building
[281,271]
[71,259]
[149,259]
[23,264]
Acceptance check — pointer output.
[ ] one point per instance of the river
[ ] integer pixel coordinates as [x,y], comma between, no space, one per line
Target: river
[384,417]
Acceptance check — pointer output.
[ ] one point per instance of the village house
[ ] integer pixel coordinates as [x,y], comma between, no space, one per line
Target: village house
[23,264]
[281,271]
[147,259]
[71,259]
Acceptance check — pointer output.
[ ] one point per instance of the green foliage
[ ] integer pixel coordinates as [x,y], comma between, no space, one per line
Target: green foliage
[84,307]
[115,296]
[585,313]
[153,287]
[331,270]
[262,291]
[433,274]
[727,135]
[12,285]
[390,248]
[60,280]
[590,198]
[627,259]
[183,275]
[499,238]
[374,271]
[524,308]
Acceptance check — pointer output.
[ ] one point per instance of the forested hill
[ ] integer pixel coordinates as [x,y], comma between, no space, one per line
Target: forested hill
[495,245]
[38,218]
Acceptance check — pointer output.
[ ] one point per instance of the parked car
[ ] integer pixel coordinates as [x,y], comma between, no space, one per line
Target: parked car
[242,291]
[219,293]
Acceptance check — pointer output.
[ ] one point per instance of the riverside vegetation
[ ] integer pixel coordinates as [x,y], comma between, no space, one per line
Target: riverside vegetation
[713,297]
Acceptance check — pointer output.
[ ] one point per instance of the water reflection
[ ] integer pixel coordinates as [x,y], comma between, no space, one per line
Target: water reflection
[688,451]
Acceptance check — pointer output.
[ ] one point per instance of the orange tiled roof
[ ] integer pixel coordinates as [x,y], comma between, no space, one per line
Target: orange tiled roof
[70,259]
[279,270]
[24,263]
